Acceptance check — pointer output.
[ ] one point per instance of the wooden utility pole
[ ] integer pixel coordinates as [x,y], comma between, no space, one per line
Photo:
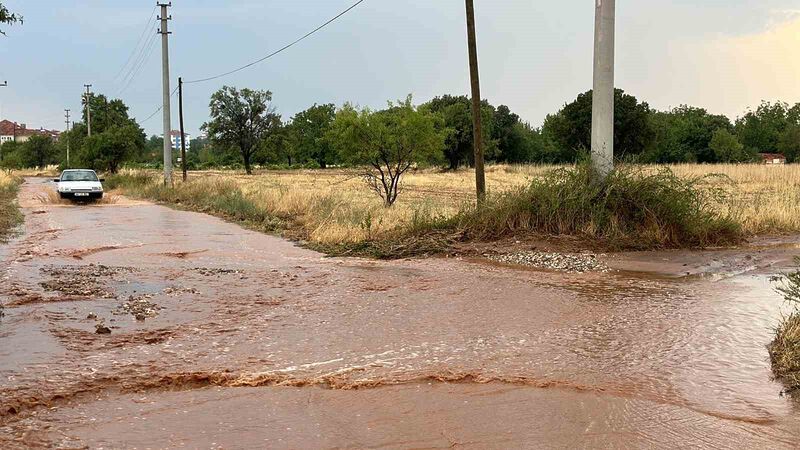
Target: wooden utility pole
[477,126]
[603,90]
[183,134]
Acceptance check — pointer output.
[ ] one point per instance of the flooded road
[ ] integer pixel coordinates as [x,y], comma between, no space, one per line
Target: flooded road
[135,325]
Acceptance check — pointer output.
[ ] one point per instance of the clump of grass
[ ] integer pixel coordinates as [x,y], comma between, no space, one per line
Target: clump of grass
[634,208]
[784,351]
[10,215]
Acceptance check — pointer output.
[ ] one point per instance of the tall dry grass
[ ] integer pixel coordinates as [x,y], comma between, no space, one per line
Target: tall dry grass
[764,198]
[333,207]
[10,215]
[47,171]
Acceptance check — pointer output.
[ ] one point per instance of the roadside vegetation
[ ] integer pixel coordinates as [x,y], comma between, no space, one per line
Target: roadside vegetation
[785,349]
[10,215]
[640,206]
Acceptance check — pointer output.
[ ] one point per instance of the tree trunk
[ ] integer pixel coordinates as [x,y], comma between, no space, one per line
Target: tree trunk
[247,168]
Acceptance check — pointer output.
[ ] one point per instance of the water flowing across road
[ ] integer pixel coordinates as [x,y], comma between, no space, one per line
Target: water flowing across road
[225,337]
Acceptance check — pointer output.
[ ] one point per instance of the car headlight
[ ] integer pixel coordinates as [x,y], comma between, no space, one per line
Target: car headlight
[66,190]
[97,188]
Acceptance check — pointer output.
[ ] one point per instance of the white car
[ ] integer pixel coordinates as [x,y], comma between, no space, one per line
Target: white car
[79,184]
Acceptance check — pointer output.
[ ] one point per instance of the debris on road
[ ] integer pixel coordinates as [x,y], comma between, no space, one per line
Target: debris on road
[81,281]
[207,272]
[139,306]
[102,329]
[563,262]
[178,290]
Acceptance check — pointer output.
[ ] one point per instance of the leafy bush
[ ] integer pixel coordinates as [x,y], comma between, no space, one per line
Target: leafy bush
[633,208]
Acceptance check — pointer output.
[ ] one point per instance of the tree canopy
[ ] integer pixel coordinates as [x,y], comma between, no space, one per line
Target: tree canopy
[243,119]
[570,129]
[116,138]
[388,143]
[8,18]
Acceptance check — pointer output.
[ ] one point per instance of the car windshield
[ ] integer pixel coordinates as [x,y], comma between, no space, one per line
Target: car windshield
[79,175]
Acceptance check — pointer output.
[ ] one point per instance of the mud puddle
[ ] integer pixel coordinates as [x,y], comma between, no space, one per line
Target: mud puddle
[244,340]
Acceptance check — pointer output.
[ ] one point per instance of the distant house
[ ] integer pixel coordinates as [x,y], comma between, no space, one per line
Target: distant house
[772,158]
[175,137]
[19,132]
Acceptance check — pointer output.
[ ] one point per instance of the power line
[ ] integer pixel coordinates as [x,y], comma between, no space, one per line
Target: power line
[159,108]
[286,47]
[136,69]
[139,42]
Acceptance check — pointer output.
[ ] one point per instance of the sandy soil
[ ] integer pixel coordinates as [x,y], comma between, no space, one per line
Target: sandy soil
[134,325]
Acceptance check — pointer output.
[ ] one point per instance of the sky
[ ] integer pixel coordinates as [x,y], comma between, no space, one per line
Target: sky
[535,56]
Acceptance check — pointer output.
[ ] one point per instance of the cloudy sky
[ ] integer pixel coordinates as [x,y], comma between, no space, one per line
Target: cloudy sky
[724,55]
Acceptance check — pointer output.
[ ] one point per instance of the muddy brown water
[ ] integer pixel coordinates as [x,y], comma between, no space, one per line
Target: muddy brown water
[246,340]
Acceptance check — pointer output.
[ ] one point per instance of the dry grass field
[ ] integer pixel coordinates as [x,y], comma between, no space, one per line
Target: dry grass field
[764,199]
[335,206]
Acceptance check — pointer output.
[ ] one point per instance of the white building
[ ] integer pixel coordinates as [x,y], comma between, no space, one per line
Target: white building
[175,137]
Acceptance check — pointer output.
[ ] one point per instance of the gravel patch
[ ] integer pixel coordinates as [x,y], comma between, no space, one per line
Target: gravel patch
[562,262]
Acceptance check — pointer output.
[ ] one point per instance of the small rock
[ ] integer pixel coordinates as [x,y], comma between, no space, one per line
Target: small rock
[92,316]
[140,317]
[102,329]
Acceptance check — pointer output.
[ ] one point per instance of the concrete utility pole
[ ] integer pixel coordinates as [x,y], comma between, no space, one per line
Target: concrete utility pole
[88,110]
[477,126]
[603,91]
[166,93]
[183,134]
[5,83]
[66,112]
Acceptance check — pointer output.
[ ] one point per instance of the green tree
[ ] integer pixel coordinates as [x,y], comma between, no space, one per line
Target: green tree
[571,128]
[153,151]
[509,136]
[10,155]
[39,151]
[727,148]
[388,143]
[456,112]
[242,119]
[281,147]
[684,134]
[105,113]
[760,130]
[789,143]
[8,18]
[111,148]
[307,135]
[116,138]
